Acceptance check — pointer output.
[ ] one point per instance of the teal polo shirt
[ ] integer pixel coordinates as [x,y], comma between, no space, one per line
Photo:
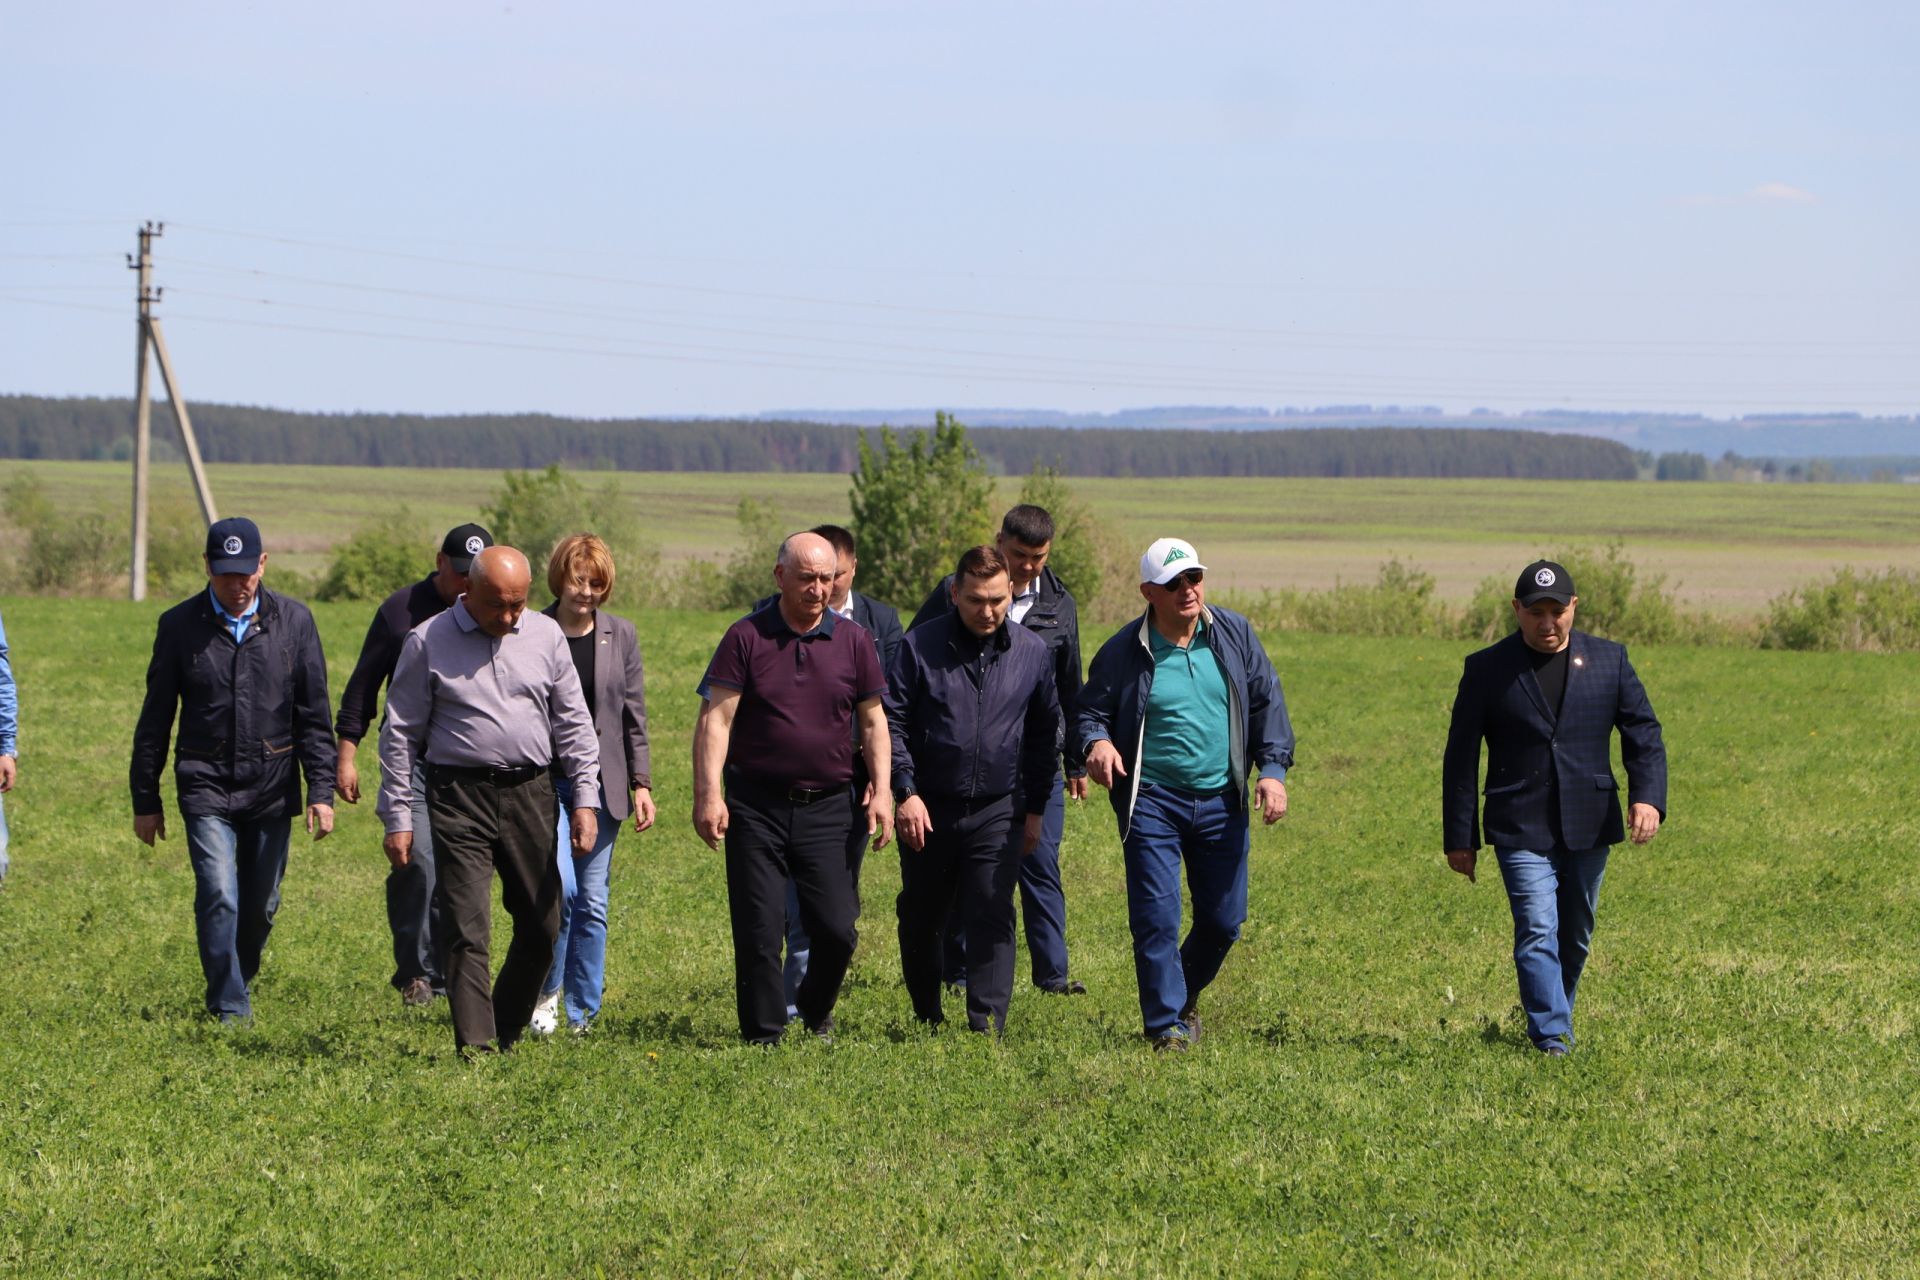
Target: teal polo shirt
[1186,742]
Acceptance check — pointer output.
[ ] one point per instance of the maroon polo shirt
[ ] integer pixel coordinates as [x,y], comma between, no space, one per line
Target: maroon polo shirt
[794,725]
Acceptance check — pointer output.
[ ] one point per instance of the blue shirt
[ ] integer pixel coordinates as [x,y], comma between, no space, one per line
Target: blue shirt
[1186,730]
[240,624]
[9,702]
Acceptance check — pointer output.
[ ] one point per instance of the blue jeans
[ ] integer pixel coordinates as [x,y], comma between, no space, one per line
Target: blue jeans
[237,868]
[580,949]
[4,864]
[1210,835]
[412,913]
[1553,897]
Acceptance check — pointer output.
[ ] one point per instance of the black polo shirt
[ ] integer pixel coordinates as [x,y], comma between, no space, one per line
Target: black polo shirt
[794,725]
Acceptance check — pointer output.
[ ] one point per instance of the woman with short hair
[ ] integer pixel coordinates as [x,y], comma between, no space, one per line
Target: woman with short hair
[606,653]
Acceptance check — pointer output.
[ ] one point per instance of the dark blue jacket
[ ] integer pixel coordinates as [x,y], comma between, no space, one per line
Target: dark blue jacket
[1540,767]
[247,713]
[1113,704]
[960,735]
[1055,619]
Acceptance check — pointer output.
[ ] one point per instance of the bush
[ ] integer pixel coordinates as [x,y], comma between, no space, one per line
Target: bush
[1615,601]
[748,573]
[1400,602]
[1088,555]
[533,511]
[377,560]
[916,508]
[1851,610]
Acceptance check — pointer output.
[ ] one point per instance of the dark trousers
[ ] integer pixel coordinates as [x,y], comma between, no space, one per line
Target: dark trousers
[481,826]
[1043,905]
[798,947]
[966,869]
[413,906]
[771,839]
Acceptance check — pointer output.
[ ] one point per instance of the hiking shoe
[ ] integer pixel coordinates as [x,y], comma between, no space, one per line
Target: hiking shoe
[546,1015]
[1190,1019]
[1171,1042]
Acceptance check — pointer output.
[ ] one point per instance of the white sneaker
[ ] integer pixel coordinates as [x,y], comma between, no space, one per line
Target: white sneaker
[546,1015]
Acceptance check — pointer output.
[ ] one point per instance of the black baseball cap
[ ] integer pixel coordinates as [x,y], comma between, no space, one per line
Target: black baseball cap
[1543,580]
[233,545]
[462,544]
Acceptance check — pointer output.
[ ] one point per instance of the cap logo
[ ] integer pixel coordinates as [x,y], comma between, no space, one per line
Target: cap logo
[1543,578]
[231,546]
[475,546]
[1172,555]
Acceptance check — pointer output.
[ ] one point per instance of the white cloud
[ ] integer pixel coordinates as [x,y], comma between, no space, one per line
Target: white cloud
[1780,193]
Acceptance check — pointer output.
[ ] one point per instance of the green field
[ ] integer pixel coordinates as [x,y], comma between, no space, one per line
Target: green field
[1742,1102]
[1725,548]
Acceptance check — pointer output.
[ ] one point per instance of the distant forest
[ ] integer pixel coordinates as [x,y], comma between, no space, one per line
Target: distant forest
[101,429]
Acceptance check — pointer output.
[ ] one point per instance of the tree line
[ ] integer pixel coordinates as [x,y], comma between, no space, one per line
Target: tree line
[101,429]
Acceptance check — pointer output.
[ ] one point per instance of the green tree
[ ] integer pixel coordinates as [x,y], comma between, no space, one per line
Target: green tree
[533,511]
[1088,555]
[377,560]
[916,507]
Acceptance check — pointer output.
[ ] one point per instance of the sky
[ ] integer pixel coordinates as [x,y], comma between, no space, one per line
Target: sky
[620,209]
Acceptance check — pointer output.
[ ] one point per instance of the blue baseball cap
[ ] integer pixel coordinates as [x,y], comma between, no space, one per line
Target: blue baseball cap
[233,546]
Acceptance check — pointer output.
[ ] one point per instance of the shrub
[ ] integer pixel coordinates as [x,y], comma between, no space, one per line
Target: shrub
[1088,555]
[1615,601]
[1399,602]
[916,508]
[1850,610]
[747,575]
[377,560]
[534,510]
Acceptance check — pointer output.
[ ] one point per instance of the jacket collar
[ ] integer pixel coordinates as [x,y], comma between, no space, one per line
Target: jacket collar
[1145,633]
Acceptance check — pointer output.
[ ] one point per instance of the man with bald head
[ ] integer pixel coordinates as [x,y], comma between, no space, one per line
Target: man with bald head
[772,765]
[487,694]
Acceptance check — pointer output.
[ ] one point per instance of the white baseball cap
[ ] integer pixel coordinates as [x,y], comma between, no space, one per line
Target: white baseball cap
[1166,558]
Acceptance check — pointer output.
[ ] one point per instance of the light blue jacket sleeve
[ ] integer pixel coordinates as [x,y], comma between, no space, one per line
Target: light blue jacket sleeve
[9,702]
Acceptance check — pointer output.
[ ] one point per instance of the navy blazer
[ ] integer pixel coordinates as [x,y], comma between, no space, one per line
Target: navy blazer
[1534,758]
[253,715]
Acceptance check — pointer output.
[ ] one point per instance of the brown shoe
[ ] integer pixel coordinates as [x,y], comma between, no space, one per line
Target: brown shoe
[416,993]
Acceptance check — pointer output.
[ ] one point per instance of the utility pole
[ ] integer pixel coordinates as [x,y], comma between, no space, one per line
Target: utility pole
[149,335]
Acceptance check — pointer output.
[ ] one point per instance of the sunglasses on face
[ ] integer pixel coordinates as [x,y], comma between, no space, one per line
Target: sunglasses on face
[1190,578]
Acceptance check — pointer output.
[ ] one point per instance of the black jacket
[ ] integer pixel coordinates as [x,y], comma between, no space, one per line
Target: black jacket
[970,730]
[1545,771]
[247,711]
[398,614]
[1056,620]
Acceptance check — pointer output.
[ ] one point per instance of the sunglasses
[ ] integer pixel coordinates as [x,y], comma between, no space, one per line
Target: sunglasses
[1190,578]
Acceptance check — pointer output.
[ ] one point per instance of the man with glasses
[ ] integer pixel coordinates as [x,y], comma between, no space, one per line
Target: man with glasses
[1179,707]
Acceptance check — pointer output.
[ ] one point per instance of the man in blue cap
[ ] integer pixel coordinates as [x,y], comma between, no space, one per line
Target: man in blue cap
[245,669]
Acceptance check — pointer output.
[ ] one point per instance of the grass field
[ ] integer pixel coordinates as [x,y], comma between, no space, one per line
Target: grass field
[1742,1102]
[1726,548]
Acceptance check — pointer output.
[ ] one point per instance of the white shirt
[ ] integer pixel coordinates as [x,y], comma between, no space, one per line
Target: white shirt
[1022,602]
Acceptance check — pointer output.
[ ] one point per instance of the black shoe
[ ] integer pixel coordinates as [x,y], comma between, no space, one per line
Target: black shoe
[1071,987]
[822,1030]
[957,987]
[417,993]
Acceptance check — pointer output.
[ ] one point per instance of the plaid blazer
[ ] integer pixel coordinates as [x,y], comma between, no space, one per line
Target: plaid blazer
[1541,767]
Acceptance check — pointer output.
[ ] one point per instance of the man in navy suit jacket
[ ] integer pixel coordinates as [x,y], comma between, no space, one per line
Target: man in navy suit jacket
[1547,700]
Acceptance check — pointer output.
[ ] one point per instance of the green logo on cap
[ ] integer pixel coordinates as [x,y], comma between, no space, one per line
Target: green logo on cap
[1175,554]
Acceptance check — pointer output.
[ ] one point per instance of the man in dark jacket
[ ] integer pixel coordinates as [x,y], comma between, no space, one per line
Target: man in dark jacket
[1043,605]
[973,718]
[1179,708]
[883,623]
[245,668]
[1547,700]
[417,971]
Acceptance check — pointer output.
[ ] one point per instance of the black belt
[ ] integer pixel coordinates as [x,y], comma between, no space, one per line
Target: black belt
[479,773]
[774,791]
